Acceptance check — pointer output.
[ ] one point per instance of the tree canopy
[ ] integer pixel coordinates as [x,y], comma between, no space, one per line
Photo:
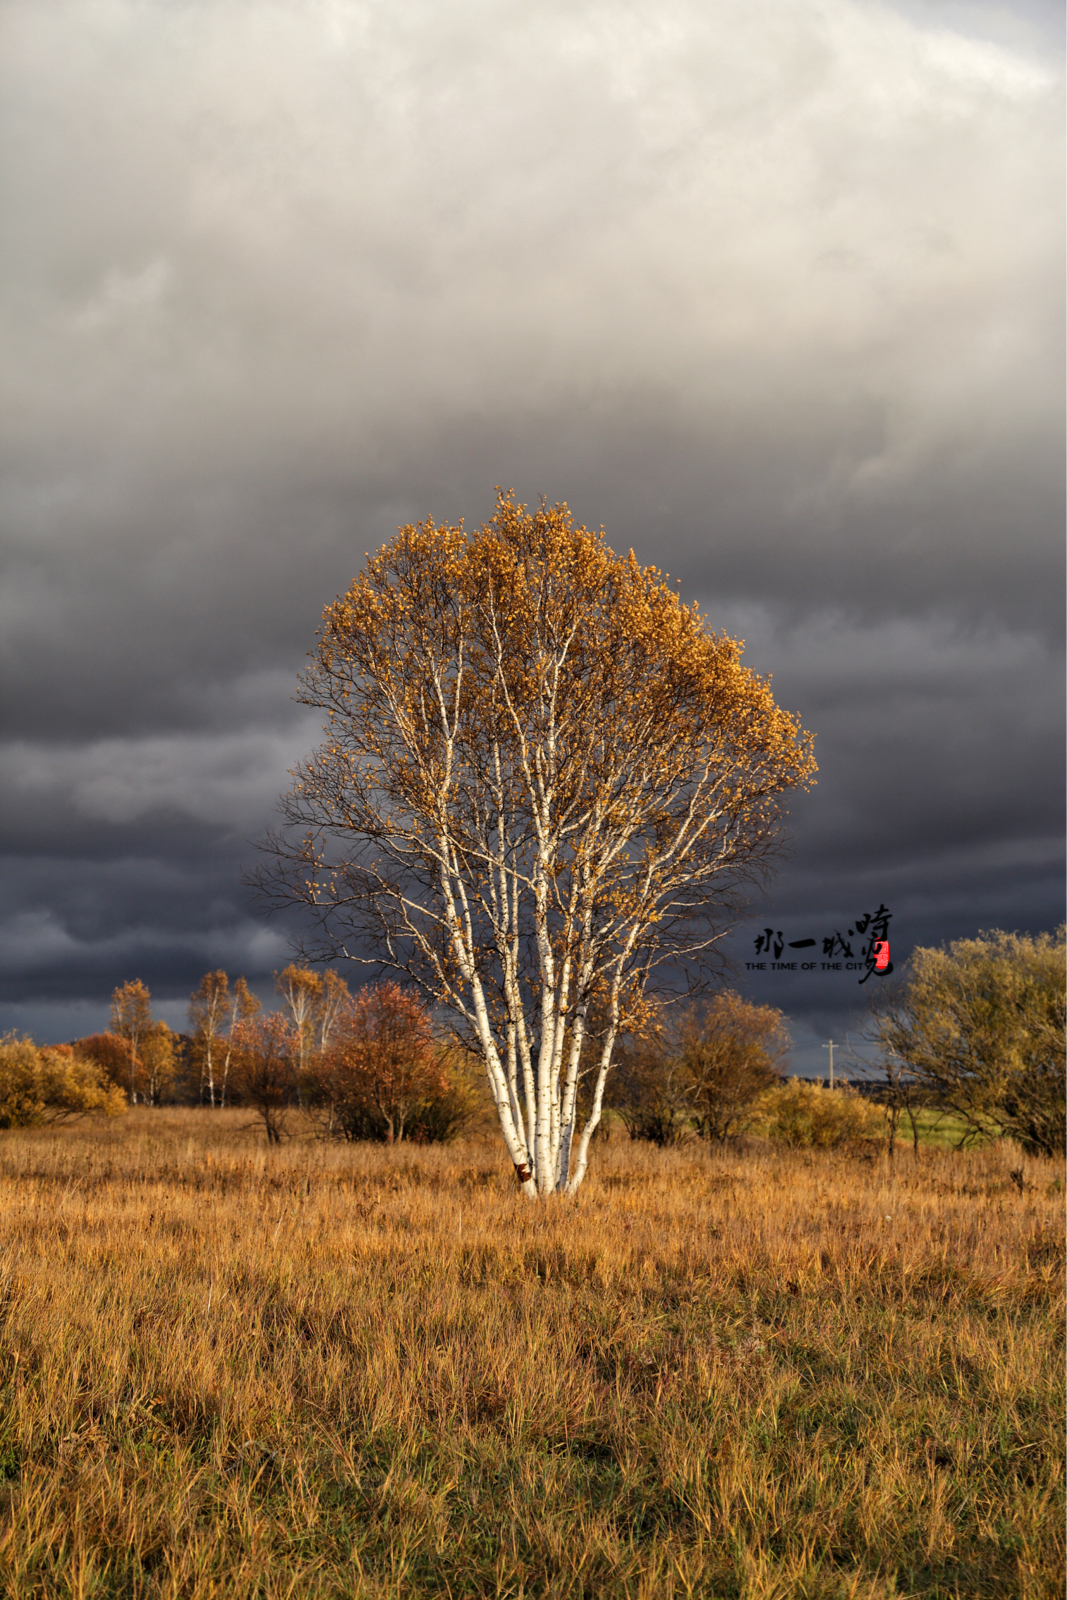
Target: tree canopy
[545,783]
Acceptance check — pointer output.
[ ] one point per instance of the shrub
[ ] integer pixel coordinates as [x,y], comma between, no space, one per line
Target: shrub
[645,1089]
[264,1068]
[803,1114]
[384,1077]
[46,1084]
[703,1068]
[730,1052]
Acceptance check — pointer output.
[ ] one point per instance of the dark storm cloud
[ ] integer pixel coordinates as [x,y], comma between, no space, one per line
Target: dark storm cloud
[772,292]
[938,795]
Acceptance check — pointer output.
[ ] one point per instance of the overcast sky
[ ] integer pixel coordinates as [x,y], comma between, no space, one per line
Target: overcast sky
[772,289]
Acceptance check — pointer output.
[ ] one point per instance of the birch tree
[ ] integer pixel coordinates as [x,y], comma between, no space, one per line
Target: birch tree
[545,785]
[209,1007]
[131,1021]
[332,1004]
[159,1062]
[242,1007]
[303,991]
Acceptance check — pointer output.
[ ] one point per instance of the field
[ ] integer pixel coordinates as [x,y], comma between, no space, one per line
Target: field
[358,1371]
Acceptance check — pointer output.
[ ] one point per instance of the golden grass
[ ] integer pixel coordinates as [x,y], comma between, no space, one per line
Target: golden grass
[354,1371]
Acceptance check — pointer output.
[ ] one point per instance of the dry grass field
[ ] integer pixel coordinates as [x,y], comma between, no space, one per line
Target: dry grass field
[360,1371]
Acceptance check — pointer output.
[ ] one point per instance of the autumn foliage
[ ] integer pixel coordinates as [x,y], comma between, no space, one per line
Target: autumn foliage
[265,1068]
[382,1075]
[699,1068]
[147,1061]
[215,1009]
[110,1053]
[361,1067]
[49,1083]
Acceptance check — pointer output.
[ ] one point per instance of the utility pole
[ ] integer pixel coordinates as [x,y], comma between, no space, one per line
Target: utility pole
[830,1047]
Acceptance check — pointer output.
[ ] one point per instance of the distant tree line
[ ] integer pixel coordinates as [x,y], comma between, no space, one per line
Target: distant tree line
[973,1031]
[716,1071]
[370,1066]
[364,1066]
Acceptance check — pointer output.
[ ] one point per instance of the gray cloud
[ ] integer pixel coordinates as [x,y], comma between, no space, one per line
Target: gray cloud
[772,292]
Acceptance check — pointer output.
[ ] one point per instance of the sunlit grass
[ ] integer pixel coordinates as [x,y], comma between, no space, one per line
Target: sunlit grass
[355,1371]
[944,1130]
